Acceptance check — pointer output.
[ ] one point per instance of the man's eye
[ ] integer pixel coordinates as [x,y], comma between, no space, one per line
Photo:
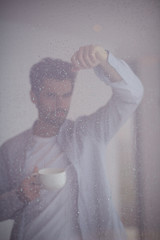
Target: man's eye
[67,95]
[51,94]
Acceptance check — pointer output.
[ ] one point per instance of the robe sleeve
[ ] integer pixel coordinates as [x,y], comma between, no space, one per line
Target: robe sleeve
[10,203]
[126,96]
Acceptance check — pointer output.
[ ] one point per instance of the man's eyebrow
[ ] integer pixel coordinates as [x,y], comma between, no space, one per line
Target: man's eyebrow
[55,93]
[67,93]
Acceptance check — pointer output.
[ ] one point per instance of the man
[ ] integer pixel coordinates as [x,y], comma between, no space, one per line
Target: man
[82,209]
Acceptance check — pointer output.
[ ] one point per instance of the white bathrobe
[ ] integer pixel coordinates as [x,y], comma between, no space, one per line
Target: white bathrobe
[83,143]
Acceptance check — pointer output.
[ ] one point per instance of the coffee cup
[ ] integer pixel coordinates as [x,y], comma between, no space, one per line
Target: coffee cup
[52,179]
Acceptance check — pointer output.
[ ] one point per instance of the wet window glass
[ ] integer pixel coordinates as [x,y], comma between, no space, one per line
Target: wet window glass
[79,112]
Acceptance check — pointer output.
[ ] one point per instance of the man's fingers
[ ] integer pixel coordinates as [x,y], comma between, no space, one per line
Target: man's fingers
[85,57]
[35,170]
[92,55]
[81,58]
[88,60]
[75,63]
[34,180]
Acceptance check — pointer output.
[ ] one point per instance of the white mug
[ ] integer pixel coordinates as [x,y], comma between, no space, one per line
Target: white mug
[51,178]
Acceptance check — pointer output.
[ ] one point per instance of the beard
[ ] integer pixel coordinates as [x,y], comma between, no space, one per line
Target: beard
[55,118]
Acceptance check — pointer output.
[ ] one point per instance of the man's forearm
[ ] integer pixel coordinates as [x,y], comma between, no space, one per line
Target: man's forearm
[109,71]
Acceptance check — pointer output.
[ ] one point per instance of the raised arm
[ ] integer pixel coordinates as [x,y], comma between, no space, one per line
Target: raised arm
[91,56]
[127,91]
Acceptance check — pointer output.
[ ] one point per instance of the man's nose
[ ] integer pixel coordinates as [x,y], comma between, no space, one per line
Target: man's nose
[58,101]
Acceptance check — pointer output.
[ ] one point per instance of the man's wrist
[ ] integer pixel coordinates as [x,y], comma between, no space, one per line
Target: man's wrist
[104,60]
[21,196]
[104,64]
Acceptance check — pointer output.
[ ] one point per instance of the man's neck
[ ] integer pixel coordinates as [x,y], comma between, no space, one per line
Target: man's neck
[43,129]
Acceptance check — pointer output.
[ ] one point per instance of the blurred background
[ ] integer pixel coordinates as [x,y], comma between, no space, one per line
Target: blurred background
[31,30]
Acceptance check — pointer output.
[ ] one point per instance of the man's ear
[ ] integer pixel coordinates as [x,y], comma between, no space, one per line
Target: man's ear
[33,97]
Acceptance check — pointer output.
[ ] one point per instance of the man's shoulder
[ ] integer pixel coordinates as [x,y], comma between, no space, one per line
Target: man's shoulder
[17,140]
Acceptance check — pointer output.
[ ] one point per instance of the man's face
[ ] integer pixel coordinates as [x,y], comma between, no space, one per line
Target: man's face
[53,101]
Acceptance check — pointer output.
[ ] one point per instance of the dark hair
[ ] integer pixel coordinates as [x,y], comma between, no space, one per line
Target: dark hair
[49,68]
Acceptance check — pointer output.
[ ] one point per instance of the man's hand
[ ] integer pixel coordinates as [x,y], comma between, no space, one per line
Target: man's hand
[89,57]
[30,188]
